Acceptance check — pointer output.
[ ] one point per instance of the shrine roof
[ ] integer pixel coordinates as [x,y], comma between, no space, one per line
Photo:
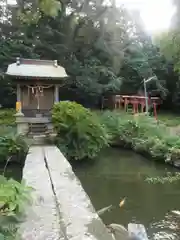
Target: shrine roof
[36,68]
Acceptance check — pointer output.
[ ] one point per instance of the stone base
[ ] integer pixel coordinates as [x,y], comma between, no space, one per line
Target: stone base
[23,123]
[42,139]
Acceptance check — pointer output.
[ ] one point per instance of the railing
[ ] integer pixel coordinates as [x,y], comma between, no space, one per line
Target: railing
[33,113]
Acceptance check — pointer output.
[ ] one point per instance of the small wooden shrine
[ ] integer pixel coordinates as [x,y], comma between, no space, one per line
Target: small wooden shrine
[38,83]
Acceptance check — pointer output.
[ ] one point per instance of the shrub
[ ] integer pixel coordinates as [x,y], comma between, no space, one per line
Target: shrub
[159,150]
[79,132]
[112,122]
[7,117]
[174,154]
[14,148]
[14,197]
[168,178]
[142,134]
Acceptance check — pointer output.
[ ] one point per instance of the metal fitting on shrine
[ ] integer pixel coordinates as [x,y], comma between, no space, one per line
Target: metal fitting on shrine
[55,63]
[18,61]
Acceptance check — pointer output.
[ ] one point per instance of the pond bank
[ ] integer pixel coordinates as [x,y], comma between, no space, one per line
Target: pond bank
[147,155]
[120,173]
[13,170]
[143,135]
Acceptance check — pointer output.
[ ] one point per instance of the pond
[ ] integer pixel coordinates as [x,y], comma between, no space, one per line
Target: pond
[120,173]
[12,171]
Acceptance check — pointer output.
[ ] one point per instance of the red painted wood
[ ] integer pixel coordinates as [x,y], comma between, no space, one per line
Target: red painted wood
[140,100]
[155,111]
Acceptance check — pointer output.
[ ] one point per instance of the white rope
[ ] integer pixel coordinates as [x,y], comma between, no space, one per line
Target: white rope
[37,91]
[37,86]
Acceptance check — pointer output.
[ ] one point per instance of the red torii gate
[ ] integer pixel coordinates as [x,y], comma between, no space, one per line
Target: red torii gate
[136,101]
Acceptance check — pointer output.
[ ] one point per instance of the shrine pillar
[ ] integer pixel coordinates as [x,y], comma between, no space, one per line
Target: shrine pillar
[18,101]
[18,93]
[56,94]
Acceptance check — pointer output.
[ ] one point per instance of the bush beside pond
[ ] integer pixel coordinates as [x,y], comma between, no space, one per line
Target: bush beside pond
[14,197]
[13,148]
[142,134]
[80,134]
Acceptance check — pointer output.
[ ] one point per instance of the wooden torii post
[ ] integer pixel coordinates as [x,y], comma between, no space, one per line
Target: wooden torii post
[136,101]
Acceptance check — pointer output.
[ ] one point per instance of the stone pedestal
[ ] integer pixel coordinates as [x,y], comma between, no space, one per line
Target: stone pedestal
[22,125]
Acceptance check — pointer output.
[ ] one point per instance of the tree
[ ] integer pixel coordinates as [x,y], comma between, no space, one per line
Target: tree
[143,60]
[102,47]
[168,43]
[31,11]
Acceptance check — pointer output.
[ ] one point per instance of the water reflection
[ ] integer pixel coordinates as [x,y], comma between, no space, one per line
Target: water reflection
[170,226]
[117,174]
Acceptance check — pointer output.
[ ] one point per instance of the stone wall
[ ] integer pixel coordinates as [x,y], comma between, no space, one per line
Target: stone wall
[61,209]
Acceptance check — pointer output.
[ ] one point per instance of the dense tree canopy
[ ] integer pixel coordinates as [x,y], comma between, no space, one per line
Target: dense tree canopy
[104,49]
[168,42]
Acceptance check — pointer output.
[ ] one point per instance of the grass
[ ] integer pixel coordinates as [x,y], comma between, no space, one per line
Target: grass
[169,119]
[142,134]
[165,117]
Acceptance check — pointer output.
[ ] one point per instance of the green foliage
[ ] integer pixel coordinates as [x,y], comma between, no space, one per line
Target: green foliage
[50,7]
[79,132]
[13,148]
[169,45]
[14,197]
[169,119]
[7,117]
[142,134]
[92,79]
[169,178]
[89,38]
[112,121]
[32,12]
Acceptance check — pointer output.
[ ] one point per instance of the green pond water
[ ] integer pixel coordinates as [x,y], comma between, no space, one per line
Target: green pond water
[119,173]
[12,171]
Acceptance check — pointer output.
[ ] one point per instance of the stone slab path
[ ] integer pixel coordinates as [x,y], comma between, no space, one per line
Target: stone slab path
[61,210]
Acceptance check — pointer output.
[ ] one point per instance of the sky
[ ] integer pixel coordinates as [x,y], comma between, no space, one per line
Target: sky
[156,14]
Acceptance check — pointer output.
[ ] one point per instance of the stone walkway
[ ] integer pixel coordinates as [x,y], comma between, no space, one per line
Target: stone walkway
[61,210]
